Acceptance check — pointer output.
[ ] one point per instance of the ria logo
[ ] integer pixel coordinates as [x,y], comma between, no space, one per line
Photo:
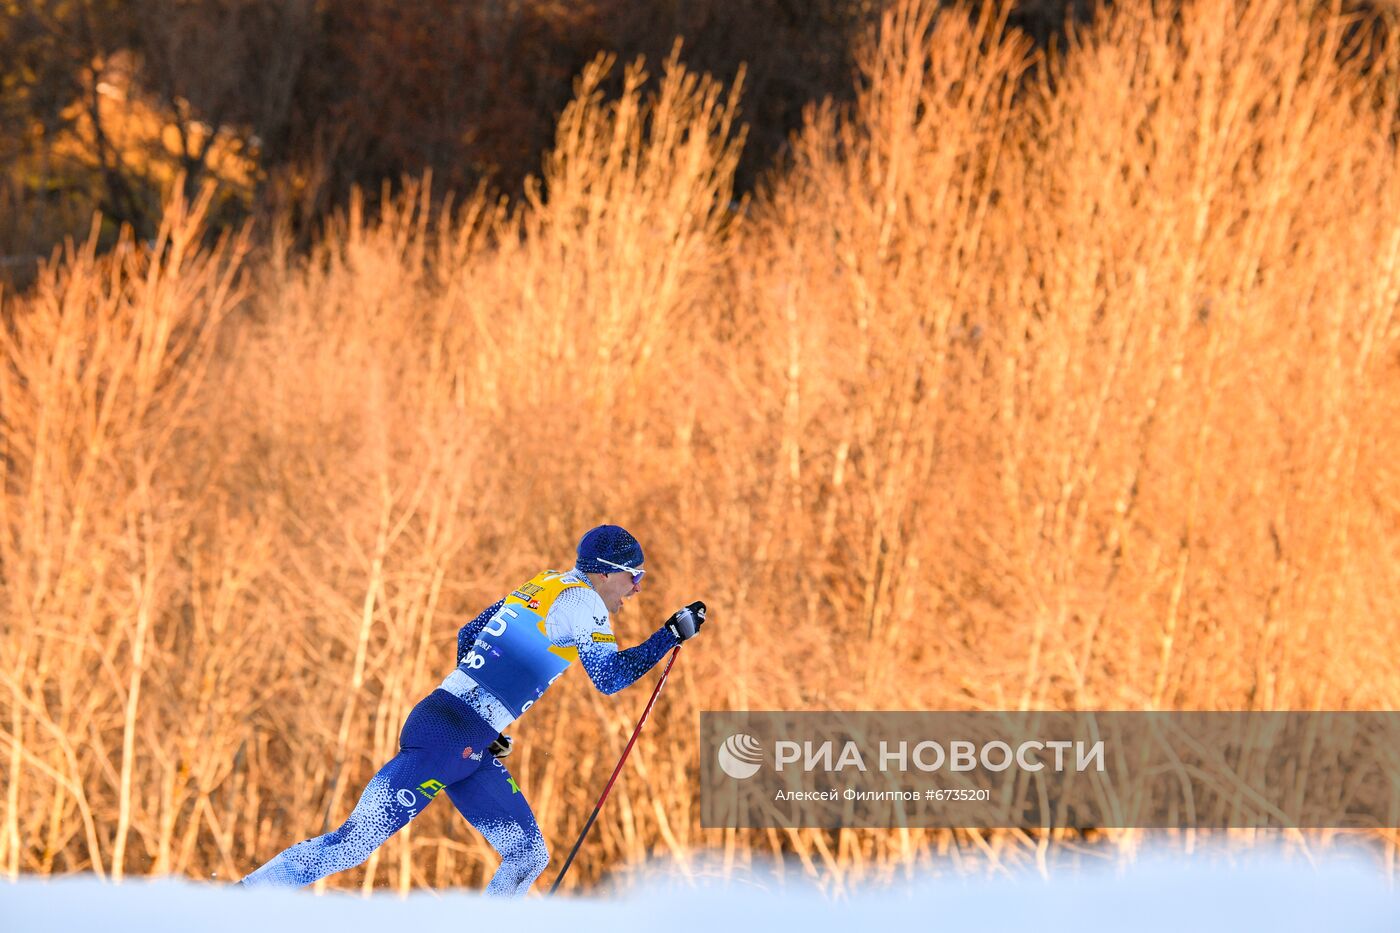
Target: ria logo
[740,756]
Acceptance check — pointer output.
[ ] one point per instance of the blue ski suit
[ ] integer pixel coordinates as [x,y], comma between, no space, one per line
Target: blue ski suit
[508,656]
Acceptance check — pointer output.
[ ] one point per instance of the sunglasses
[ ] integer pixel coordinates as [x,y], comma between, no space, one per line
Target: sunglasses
[636,574]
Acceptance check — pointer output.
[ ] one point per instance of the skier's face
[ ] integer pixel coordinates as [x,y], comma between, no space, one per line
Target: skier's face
[616,587]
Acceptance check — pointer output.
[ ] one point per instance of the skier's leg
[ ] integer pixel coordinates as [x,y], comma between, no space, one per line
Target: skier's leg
[390,800]
[436,749]
[493,803]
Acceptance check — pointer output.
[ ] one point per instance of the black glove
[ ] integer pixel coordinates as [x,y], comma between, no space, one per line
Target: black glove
[685,623]
[502,747]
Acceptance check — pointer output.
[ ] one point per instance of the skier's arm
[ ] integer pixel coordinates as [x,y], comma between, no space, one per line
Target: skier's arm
[611,670]
[466,636]
[579,619]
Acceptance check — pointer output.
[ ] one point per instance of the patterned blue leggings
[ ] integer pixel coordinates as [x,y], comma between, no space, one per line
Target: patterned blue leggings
[442,747]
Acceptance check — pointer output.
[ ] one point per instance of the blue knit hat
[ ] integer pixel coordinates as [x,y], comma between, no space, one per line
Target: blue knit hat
[611,543]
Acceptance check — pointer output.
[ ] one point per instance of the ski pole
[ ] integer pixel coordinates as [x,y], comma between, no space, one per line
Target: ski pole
[635,732]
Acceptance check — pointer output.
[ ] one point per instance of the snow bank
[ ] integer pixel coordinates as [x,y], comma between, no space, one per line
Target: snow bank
[1166,893]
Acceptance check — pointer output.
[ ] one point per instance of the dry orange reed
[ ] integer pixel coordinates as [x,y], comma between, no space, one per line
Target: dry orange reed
[1069,386]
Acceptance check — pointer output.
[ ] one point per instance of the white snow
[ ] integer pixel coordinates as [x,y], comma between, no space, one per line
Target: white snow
[1240,892]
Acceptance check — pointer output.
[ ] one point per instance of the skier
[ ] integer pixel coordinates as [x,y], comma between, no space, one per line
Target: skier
[454,740]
